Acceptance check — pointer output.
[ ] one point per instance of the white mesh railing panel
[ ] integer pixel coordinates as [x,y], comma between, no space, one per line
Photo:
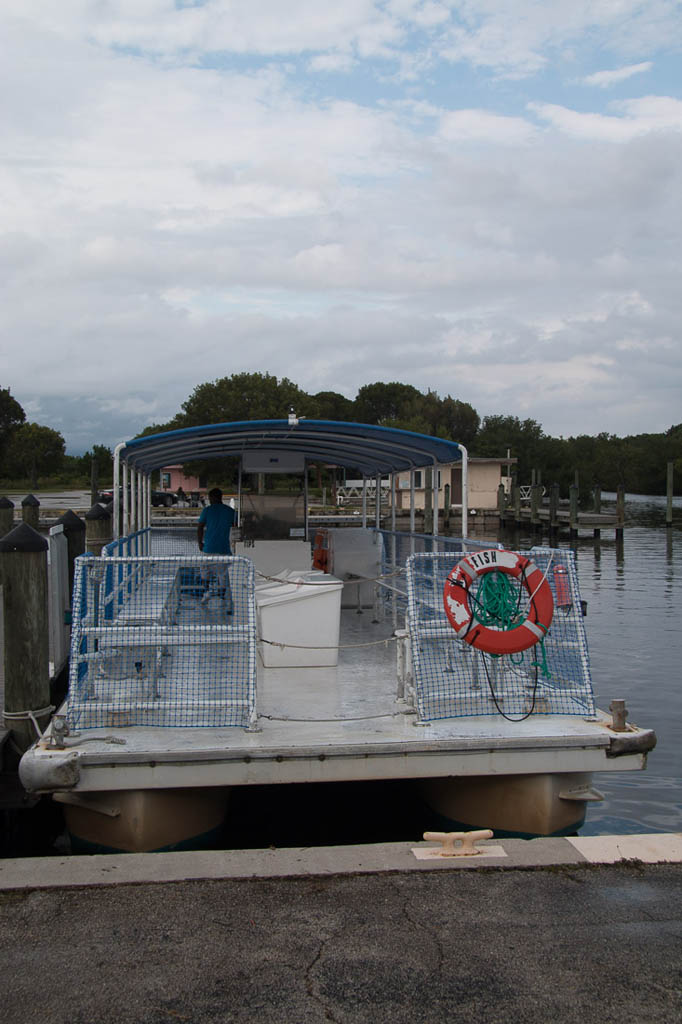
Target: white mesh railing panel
[166,640]
[453,679]
[398,546]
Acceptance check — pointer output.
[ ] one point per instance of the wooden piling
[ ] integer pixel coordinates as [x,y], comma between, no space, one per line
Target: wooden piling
[620,511]
[669,496]
[97,529]
[30,511]
[6,516]
[597,507]
[501,502]
[24,625]
[535,498]
[446,507]
[516,503]
[74,531]
[554,509]
[573,510]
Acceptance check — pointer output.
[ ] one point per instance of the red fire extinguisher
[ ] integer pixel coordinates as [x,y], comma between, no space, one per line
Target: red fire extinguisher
[562,587]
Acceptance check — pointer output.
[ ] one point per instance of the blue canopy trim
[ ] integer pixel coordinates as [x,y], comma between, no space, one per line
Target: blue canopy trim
[367,448]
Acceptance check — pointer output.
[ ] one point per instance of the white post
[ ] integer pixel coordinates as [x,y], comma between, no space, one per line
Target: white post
[465,491]
[133,501]
[117,524]
[377,502]
[147,509]
[126,499]
[364,500]
[140,499]
[305,501]
[435,490]
[412,512]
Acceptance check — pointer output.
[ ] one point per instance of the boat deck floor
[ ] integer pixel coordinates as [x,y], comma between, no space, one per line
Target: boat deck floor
[349,712]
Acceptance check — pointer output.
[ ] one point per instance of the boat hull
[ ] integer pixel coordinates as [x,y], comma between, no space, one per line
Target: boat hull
[139,821]
[512,805]
[145,820]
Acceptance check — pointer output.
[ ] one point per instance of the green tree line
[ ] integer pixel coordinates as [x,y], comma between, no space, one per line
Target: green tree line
[638,463]
[29,451]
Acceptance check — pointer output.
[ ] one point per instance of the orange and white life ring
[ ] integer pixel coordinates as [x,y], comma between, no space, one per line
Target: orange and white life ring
[463,619]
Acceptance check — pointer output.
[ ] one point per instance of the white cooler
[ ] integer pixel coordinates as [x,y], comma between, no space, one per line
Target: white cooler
[304,612]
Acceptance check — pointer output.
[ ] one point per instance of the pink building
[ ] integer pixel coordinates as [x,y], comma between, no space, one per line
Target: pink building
[172,478]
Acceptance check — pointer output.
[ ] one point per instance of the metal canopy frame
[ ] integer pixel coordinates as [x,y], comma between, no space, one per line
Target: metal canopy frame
[373,450]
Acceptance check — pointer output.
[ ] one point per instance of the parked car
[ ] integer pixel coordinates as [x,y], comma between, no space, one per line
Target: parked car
[163,498]
[159,498]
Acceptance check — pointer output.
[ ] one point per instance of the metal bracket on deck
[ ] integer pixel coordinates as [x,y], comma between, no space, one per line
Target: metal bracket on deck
[467,841]
[619,714]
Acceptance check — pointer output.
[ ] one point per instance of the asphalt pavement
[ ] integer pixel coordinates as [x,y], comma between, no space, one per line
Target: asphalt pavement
[383,942]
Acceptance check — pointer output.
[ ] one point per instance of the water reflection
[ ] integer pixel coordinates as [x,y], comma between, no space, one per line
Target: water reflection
[633,587]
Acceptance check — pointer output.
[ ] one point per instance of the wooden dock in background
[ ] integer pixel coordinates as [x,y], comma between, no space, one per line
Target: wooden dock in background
[528,508]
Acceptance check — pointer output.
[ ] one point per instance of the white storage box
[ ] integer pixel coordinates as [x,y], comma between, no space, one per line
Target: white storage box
[303,614]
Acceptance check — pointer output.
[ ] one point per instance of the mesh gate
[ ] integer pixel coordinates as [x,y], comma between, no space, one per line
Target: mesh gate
[453,679]
[162,641]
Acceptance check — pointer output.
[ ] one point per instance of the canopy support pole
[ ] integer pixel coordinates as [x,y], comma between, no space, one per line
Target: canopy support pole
[413,522]
[306,510]
[465,491]
[117,519]
[435,491]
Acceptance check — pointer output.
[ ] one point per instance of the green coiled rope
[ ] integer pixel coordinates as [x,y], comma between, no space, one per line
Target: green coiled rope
[498,603]
[498,600]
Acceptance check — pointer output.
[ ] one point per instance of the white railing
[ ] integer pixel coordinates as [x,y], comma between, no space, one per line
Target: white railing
[163,641]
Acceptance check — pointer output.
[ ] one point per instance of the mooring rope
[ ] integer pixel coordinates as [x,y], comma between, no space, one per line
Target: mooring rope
[32,716]
[332,582]
[334,647]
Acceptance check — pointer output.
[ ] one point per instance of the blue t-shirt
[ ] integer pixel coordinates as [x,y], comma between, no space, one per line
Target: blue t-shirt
[217,520]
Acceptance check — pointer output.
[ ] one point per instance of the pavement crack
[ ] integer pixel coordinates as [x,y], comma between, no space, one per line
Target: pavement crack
[310,983]
[421,926]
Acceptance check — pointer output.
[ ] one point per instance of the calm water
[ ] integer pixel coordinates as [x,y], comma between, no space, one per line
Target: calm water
[634,630]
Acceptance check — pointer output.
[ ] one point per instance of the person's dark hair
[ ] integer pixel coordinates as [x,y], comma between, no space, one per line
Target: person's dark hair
[215,495]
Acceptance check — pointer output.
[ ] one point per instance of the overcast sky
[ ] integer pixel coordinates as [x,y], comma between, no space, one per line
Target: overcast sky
[481,197]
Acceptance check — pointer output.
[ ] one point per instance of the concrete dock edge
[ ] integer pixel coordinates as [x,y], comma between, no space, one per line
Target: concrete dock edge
[31,873]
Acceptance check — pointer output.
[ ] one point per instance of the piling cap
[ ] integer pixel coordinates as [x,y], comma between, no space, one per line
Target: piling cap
[6,503]
[70,521]
[23,538]
[31,500]
[98,512]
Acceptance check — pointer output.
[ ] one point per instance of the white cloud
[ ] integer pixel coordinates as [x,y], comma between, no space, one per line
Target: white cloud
[482,126]
[638,117]
[190,213]
[521,37]
[605,79]
[332,62]
[162,28]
